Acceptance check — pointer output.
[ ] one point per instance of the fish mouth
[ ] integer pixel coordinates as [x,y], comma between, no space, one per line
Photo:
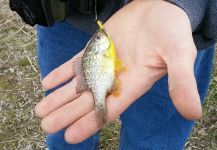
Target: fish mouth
[107,35]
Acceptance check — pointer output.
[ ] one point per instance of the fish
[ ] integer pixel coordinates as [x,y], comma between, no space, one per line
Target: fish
[97,71]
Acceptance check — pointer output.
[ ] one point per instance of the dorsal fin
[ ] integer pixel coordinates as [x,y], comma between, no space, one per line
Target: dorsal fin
[79,76]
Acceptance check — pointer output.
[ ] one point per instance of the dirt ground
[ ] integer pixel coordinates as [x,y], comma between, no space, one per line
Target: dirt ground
[20,90]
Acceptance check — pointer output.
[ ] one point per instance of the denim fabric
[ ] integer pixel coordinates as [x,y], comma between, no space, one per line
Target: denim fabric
[151,122]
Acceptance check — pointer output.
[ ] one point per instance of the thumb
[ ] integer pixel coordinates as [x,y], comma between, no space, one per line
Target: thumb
[182,83]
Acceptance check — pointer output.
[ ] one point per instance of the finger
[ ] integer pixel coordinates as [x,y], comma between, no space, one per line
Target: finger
[67,114]
[87,125]
[182,83]
[57,99]
[82,129]
[60,74]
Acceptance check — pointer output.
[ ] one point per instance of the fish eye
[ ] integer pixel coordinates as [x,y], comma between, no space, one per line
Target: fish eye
[97,38]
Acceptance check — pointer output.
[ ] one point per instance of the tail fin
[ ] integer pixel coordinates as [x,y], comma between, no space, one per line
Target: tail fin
[101,114]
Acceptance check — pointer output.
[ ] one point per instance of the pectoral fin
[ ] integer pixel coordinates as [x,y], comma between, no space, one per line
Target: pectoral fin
[119,66]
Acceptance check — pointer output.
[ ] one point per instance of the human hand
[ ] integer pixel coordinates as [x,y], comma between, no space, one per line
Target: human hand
[152,38]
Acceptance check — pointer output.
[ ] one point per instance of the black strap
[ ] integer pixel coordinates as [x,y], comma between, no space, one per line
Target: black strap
[30,10]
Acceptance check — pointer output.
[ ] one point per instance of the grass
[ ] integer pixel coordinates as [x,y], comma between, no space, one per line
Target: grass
[23,62]
[20,90]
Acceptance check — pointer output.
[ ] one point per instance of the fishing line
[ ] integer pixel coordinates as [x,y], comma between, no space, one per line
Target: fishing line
[96,15]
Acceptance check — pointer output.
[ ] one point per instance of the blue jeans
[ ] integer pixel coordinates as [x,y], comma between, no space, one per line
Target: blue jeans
[151,122]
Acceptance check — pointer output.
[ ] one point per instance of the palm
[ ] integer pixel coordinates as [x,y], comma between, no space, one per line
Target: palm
[150,47]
